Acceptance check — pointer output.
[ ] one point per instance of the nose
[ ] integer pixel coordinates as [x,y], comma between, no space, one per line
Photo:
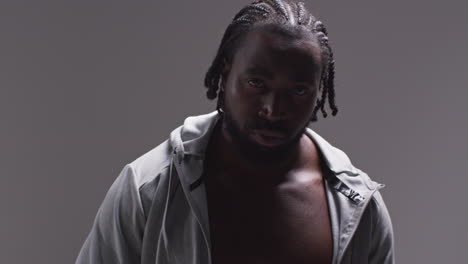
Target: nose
[273,108]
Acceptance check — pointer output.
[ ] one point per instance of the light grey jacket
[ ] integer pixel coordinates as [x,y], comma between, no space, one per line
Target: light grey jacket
[156,210]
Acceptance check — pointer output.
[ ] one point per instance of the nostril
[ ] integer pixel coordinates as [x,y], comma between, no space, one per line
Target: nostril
[264,112]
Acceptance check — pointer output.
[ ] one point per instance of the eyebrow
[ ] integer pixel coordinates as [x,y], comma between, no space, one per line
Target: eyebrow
[258,70]
[305,77]
[300,77]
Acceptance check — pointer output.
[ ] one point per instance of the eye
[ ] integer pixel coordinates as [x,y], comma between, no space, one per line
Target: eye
[256,83]
[300,90]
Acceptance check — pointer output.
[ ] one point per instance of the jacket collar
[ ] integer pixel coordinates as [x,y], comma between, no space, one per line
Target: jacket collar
[336,159]
[192,139]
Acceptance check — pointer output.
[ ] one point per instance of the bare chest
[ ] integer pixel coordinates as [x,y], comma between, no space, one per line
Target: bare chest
[286,224]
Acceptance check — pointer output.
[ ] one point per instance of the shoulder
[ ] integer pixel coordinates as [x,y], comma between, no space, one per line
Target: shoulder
[383,241]
[148,171]
[117,232]
[143,171]
[379,211]
[148,166]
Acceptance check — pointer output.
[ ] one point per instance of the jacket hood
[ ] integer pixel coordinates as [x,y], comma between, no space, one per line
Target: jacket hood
[191,139]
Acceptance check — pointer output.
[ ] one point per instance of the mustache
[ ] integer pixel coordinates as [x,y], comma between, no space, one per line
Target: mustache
[279,126]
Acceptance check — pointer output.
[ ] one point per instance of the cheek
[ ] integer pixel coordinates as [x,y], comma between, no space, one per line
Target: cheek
[304,104]
[303,108]
[241,98]
[313,102]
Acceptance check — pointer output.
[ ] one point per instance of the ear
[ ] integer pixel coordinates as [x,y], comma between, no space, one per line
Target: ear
[225,72]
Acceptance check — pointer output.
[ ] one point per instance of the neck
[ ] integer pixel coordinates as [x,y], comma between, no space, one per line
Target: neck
[237,161]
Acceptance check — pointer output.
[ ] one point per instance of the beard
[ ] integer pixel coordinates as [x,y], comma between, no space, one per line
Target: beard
[253,151]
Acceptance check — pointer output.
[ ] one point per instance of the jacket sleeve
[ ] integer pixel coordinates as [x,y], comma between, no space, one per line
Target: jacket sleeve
[382,249]
[117,231]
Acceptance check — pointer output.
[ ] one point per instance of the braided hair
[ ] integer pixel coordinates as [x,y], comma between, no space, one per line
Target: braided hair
[280,14]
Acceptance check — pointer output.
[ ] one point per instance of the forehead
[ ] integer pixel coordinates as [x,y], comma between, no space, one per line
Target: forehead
[281,54]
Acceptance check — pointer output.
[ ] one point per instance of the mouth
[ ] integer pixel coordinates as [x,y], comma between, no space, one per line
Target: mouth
[269,138]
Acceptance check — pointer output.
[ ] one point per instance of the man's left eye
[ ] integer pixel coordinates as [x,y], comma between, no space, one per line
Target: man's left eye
[300,90]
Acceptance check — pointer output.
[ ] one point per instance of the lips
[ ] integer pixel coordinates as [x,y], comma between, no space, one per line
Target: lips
[269,138]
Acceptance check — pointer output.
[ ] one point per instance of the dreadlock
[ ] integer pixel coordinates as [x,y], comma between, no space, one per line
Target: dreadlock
[278,13]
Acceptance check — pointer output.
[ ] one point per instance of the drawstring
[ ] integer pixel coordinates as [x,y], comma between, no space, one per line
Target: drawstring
[166,207]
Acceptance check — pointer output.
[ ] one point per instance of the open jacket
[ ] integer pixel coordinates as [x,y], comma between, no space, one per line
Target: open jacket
[156,210]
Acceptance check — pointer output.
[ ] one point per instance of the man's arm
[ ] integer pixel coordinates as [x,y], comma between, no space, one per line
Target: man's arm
[117,232]
[382,249]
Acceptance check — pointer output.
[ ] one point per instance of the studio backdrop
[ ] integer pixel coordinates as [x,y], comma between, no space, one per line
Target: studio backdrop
[88,86]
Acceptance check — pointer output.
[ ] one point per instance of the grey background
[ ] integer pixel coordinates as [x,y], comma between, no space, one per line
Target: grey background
[88,86]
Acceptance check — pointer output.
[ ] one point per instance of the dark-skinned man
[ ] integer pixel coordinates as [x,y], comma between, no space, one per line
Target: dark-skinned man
[250,182]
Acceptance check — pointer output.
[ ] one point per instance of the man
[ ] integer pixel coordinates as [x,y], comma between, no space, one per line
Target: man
[250,183]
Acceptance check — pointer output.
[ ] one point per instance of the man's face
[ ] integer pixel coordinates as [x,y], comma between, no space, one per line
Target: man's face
[270,91]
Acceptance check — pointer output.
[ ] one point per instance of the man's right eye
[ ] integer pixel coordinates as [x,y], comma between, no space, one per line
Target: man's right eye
[256,83]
